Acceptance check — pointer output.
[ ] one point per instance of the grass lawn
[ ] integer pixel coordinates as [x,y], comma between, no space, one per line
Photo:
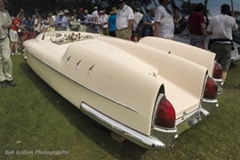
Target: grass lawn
[34,119]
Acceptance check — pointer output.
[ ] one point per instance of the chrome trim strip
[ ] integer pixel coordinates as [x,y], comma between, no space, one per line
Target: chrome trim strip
[217,80]
[186,114]
[210,100]
[123,105]
[204,111]
[134,136]
[160,96]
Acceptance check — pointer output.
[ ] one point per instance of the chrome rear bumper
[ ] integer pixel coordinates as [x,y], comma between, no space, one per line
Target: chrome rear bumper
[210,105]
[148,142]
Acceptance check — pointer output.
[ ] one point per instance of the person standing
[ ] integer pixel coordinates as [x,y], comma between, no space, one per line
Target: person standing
[103,18]
[112,22]
[13,34]
[74,15]
[20,31]
[124,20]
[95,21]
[183,24]
[37,25]
[221,27]
[5,52]
[137,18]
[68,18]
[148,22]
[28,34]
[34,16]
[164,19]
[196,26]
[61,22]
[87,21]
[50,22]
[80,15]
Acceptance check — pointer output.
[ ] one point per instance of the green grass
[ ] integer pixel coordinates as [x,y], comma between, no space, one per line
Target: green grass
[34,117]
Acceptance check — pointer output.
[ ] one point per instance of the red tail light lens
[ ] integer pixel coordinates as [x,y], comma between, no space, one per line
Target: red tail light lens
[210,89]
[217,73]
[165,115]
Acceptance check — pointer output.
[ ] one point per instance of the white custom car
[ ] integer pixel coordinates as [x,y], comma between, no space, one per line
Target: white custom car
[185,38]
[147,92]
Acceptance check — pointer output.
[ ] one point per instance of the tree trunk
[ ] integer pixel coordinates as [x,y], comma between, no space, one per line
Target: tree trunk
[155,3]
[232,8]
[205,11]
[232,5]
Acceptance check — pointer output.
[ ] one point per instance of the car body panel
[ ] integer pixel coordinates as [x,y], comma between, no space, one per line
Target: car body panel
[196,55]
[119,79]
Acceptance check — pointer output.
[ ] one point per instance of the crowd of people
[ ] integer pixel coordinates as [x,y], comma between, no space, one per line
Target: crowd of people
[122,22]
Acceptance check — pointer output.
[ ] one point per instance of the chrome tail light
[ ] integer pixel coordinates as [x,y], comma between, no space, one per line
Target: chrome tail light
[211,89]
[217,72]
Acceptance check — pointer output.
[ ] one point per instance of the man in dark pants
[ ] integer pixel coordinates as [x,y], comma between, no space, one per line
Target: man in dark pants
[196,26]
[148,22]
[5,59]
[221,27]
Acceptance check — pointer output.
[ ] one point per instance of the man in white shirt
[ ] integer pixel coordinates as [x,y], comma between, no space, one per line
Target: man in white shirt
[61,22]
[6,66]
[87,19]
[95,21]
[164,19]
[124,20]
[103,18]
[137,18]
[221,27]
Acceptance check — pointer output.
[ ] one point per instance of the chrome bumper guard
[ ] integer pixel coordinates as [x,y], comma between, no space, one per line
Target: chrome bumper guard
[24,54]
[148,142]
[219,85]
[210,105]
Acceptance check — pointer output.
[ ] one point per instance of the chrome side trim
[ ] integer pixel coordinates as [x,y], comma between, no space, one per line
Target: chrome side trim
[160,96]
[149,142]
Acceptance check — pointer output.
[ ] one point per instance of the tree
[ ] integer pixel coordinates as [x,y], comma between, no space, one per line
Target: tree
[186,7]
[232,5]
[206,11]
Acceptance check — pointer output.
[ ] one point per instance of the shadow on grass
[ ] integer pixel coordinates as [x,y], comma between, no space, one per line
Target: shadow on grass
[97,134]
[233,65]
